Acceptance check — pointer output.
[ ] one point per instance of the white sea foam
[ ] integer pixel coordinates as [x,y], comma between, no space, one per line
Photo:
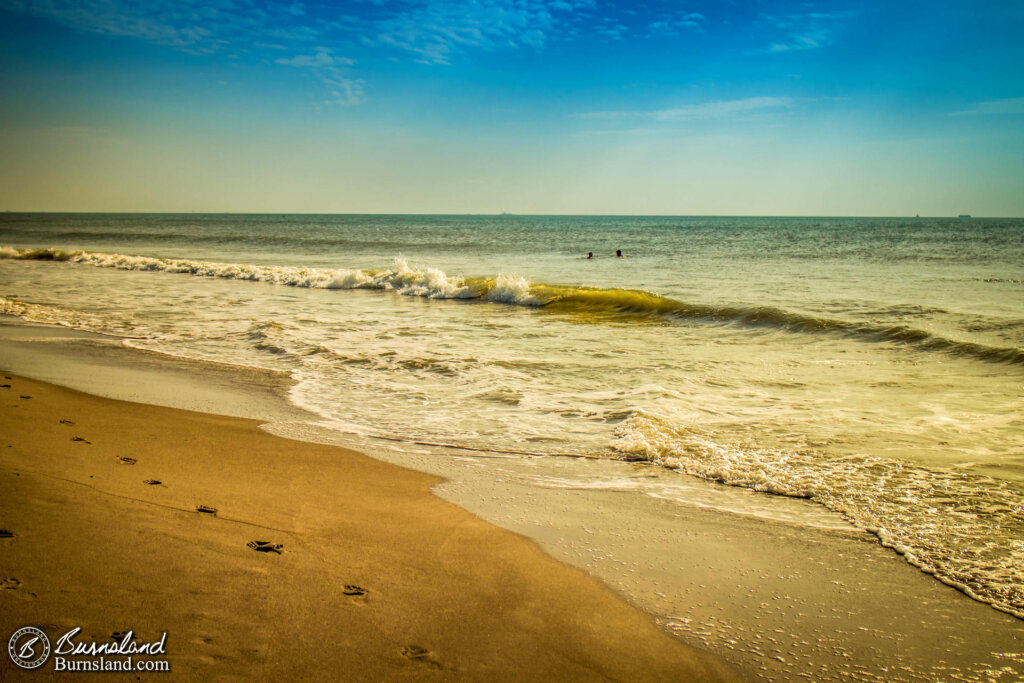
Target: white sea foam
[433,283]
[53,315]
[512,289]
[401,278]
[695,494]
[940,521]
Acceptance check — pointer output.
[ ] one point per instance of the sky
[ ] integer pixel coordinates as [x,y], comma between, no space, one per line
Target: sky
[668,107]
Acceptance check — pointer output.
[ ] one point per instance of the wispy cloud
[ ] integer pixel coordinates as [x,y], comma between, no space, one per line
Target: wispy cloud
[197,26]
[433,31]
[341,87]
[704,110]
[437,29]
[325,40]
[322,58]
[806,31]
[672,25]
[1013,105]
[210,26]
[611,28]
[343,90]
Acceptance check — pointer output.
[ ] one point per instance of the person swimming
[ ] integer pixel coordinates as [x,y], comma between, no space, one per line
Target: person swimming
[590,254]
[618,253]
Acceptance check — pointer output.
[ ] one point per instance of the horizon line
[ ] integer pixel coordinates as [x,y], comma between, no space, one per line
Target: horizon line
[496,215]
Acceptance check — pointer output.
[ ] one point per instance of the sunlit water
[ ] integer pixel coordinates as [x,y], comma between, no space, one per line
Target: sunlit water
[873,366]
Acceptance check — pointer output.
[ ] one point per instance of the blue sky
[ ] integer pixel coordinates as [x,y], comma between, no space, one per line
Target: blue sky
[527,106]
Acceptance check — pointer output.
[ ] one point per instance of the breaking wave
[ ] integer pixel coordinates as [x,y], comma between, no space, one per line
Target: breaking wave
[433,283]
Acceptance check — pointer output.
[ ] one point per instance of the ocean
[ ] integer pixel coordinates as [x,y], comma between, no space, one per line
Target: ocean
[871,366]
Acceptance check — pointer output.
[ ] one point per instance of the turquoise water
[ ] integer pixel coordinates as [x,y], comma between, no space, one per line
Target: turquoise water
[873,366]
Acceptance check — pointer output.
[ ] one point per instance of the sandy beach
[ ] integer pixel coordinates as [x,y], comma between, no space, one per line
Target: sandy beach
[130,516]
[774,599]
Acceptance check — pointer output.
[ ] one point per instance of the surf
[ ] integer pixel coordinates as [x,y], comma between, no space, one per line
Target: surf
[581,303]
[940,521]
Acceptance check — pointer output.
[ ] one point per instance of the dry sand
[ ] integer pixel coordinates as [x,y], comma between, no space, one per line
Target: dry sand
[436,594]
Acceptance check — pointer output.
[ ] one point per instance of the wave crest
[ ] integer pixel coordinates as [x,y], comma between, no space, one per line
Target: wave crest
[407,280]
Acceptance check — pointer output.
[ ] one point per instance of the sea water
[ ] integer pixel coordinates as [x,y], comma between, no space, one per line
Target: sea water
[874,367]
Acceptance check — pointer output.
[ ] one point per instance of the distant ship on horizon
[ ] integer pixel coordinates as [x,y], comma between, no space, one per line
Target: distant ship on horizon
[964,215]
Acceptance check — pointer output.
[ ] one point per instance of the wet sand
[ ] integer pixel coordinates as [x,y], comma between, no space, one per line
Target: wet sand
[376,579]
[720,568]
[782,601]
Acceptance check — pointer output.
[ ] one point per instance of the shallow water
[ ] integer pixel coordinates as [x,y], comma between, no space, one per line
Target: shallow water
[872,366]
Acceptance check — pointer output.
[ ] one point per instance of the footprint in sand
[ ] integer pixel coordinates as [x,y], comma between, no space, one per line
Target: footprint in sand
[12,584]
[153,482]
[78,438]
[24,397]
[420,654]
[265,546]
[6,533]
[66,422]
[5,386]
[125,460]
[352,589]
[206,509]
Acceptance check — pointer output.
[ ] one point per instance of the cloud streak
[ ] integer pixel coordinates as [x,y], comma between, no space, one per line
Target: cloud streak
[807,31]
[704,110]
[674,25]
[196,26]
[433,31]
[322,58]
[437,29]
[205,27]
[1012,105]
[341,88]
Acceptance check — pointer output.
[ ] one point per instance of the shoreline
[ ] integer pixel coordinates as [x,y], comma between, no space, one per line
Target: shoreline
[769,598]
[444,594]
[780,600]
